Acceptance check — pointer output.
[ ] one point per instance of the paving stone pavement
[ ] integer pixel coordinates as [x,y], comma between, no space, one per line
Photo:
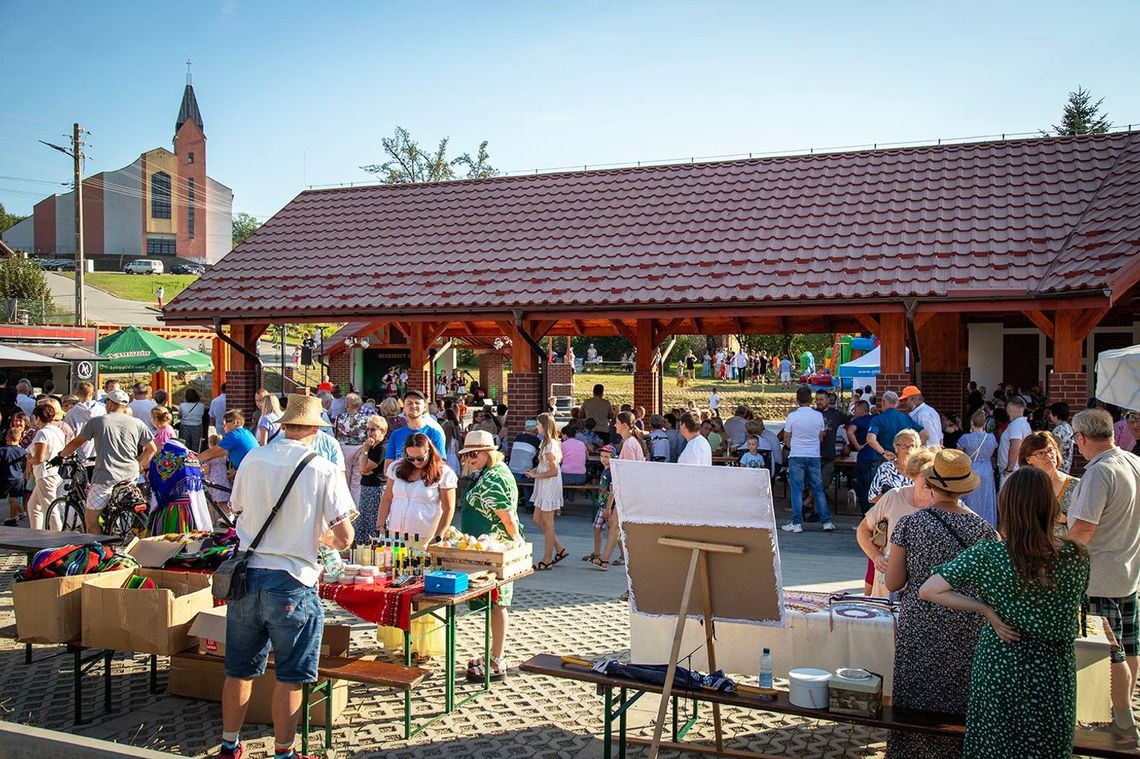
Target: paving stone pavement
[573,608]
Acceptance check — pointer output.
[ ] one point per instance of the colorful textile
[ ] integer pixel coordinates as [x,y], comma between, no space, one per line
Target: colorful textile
[176,481]
[384,605]
[68,561]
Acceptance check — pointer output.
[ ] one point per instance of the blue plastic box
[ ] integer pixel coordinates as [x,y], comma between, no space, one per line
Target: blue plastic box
[446,583]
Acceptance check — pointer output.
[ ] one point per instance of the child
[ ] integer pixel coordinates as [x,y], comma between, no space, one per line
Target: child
[12,458]
[680,374]
[752,458]
[714,402]
[606,518]
[215,471]
[160,418]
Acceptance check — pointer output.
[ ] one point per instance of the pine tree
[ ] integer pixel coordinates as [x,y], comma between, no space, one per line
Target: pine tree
[1082,116]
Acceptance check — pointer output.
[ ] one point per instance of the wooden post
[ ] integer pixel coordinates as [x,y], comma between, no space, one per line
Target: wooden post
[710,645]
[1068,346]
[892,344]
[645,385]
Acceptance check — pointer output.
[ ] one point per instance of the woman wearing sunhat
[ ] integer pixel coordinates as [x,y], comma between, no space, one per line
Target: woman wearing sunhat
[934,646]
[490,506]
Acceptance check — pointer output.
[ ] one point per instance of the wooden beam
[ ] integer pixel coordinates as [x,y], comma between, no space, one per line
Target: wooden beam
[870,323]
[624,330]
[403,329]
[922,318]
[741,329]
[1068,349]
[435,331]
[1087,322]
[782,325]
[578,326]
[892,343]
[541,329]
[699,326]
[1042,322]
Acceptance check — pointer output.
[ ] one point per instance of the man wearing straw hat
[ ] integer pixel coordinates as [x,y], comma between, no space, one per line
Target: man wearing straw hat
[281,603]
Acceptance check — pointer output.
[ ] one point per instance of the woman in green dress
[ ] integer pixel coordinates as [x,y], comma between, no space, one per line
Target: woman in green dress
[1023,686]
[490,506]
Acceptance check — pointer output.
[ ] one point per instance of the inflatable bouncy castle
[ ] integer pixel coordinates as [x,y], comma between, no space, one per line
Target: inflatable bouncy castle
[846,348]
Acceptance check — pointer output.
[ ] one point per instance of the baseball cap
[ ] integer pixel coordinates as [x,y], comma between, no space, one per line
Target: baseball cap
[414,393]
[908,391]
[118,396]
[609,450]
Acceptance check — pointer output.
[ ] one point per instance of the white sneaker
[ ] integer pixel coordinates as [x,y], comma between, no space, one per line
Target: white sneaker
[852,500]
[828,527]
[792,527]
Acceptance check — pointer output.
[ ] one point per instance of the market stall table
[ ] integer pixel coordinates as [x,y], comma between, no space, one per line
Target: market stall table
[397,607]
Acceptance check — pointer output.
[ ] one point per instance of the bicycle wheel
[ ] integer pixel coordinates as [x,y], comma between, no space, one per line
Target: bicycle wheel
[125,524]
[70,515]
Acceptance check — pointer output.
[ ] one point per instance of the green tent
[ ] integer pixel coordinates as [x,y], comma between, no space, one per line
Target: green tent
[135,350]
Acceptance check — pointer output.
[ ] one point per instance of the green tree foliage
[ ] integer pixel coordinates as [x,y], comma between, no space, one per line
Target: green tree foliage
[23,287]
[9,220]
[1082,115]
[793,345]
[244,225]
[408,162]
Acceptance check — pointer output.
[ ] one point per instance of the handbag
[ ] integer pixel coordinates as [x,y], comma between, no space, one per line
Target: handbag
[879,535]
[230,576]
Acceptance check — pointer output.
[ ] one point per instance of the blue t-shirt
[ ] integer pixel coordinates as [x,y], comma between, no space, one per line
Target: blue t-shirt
[887,424]
[396,440]
[237,443]
[753,461]
[866,454]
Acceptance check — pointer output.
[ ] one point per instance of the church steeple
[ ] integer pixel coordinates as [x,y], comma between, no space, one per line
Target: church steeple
[189,109]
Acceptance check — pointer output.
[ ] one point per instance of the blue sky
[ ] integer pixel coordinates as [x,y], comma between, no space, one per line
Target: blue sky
[300,93]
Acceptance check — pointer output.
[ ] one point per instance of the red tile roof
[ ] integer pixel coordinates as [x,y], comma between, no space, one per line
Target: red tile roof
[988,219]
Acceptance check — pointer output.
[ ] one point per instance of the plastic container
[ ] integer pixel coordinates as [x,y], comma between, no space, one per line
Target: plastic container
[765,678]
[857,692]
[807,687]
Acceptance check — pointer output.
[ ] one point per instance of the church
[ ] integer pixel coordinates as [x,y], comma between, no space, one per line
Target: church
[163,205]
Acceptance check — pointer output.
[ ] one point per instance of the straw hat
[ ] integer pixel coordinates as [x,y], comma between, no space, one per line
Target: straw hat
[951,470]
[305,411]
[478,440]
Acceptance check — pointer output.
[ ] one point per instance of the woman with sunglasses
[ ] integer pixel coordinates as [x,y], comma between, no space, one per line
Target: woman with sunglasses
[419,498]
[490,506]
[370,465]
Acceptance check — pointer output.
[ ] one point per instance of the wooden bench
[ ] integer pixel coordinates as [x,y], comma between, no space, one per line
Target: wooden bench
[1086,742]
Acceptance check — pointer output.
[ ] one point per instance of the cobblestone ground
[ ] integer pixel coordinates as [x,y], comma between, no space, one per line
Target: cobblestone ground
[570,610]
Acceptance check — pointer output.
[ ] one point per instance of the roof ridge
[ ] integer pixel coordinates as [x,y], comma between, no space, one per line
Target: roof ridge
[1084,212]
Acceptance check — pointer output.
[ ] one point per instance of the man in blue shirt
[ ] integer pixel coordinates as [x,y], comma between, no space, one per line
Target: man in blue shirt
[886,424]
[417,420]
[867,460]
[235,443]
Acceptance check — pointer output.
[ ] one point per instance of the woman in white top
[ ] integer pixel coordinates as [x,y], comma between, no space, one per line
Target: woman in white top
[269,425]
[419,498]
[547,495]
[46,445]
[192,415]
[892,506]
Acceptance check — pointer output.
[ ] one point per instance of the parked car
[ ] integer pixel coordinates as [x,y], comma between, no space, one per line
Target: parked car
[58,264]
[144,266]
[188,269]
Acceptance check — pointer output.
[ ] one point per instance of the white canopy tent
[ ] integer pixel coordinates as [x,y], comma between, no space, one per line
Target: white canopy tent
[16,357]
[866,366]
[1118,377]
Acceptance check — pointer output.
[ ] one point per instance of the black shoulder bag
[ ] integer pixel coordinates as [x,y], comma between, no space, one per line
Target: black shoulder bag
[230,576]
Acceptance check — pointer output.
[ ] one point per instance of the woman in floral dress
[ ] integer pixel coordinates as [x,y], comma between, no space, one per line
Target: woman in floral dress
[934,646]
[490,506]
[1023,687]
[980,445]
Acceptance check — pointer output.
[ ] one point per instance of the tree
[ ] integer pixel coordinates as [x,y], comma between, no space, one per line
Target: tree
[24,287]
[244,225]
[409,163]
[9,220]
[1082,116]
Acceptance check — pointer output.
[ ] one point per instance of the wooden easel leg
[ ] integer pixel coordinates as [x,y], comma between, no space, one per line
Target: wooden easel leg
[710,645]
[671,672]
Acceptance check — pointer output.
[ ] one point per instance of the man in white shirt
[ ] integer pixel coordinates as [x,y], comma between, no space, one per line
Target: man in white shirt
[740,361]
[1009,447]
[218,409]
[338,403]
[697,449]
[658,439]
[141,406]
[922,413]
[736,427]
[281,605]
[24,398]
[804,430]
[78,415]
[768,442]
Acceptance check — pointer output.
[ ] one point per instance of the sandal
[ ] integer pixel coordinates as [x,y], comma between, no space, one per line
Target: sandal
[542,566]
[590,557]
[600,563]
[560,556]
[475,672]
[619,561]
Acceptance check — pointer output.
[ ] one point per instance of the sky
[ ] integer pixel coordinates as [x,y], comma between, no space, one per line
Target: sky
[295,94]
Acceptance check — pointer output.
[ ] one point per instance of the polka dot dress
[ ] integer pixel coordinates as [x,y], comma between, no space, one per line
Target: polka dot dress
[1023,696]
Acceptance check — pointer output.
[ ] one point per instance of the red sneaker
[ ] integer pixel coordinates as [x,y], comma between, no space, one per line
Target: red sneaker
[225,753]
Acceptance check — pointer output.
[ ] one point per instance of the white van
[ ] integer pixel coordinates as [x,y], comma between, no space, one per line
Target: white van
[144,266]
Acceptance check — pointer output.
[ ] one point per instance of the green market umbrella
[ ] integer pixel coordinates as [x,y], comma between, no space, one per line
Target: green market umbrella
[139,351]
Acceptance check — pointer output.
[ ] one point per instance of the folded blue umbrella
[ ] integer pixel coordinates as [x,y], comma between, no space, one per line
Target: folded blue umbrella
[683,679]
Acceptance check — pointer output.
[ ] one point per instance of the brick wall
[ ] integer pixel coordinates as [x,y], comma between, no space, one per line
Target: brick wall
[523,399]
[894,382]
[559,379]
[945,391]
[420,379]
[647,391]
[1072,388]
[241,385]
[491,373]
[339,373]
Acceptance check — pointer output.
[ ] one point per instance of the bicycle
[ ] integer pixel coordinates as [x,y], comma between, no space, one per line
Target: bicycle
[71,505]
[125,515]
[222,513]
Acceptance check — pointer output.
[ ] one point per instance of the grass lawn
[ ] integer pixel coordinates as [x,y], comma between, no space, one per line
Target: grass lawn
[770,401]
[139,287]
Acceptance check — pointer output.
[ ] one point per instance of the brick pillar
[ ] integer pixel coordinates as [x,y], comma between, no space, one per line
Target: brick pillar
[945,391]
[419,380]
[491,373]
[559,379]
[524,400]
[646,391]
[891,381]
[340,372]
[241,385]
[1072,388]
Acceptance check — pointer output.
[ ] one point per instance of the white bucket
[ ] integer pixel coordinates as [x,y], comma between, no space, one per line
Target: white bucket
[808,687]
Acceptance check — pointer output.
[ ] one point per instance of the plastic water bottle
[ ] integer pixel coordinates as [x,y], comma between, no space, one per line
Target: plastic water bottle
[766,669]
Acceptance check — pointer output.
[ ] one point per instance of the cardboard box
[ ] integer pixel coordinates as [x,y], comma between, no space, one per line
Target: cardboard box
[145,621]
[153,553]
[210,629]
[51,610]
[202,675]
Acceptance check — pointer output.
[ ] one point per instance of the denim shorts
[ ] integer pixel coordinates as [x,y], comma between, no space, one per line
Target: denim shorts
[276,609]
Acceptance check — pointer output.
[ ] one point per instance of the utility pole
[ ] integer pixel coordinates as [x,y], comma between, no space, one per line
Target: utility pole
[76,153]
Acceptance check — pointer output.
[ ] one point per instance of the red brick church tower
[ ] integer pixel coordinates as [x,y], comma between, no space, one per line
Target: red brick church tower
[190,153]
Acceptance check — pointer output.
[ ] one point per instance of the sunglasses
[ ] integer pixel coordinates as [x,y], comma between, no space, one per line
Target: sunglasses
[472,454]
[417,459]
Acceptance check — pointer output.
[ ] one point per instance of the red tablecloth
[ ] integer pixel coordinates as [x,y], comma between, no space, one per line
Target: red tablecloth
[379,603]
